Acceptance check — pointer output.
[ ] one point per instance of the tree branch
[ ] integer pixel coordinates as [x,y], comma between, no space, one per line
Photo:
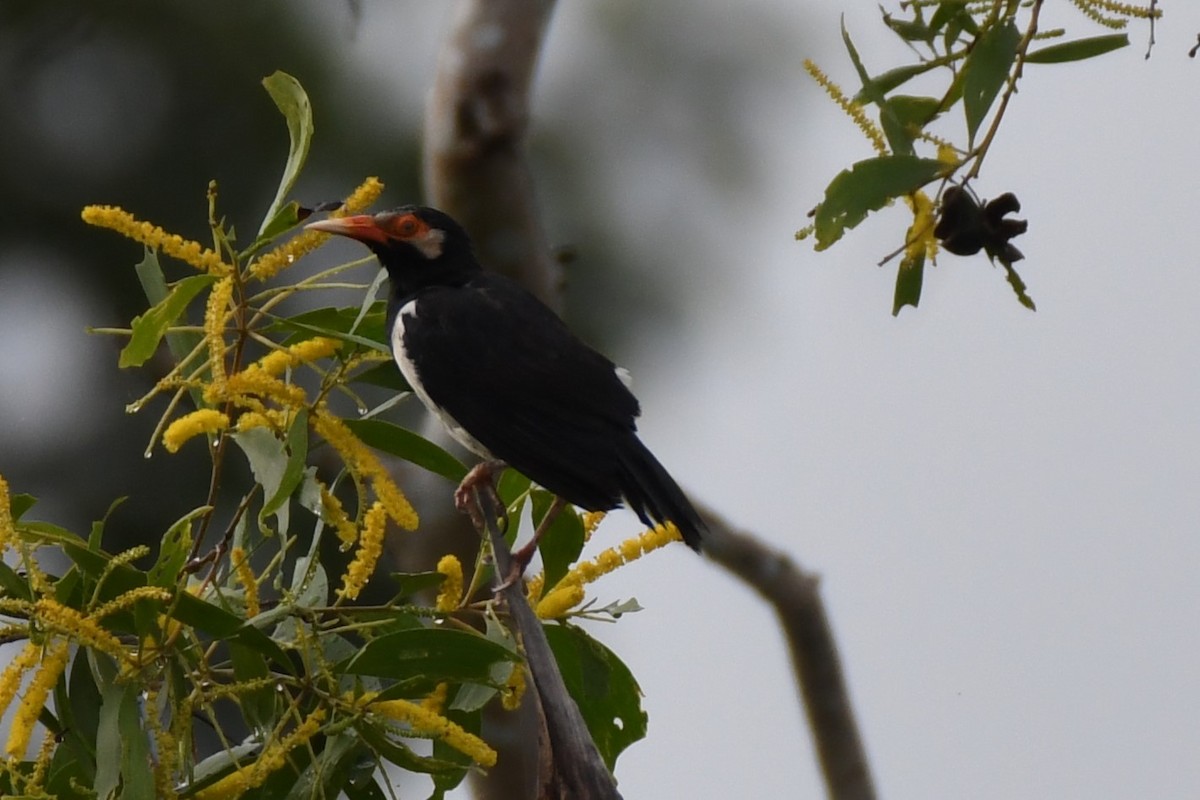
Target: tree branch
[794,594]
[476,167]
[574,767]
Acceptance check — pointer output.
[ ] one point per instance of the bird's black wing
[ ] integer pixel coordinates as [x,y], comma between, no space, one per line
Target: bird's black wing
[509,371]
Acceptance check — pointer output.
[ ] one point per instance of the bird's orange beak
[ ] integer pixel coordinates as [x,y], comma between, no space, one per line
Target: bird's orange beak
[362,227]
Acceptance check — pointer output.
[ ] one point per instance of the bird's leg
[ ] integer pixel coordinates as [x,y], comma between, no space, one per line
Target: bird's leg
[480,477]
[521,557]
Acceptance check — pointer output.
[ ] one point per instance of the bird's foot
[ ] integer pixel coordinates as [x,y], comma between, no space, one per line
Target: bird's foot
[480,477]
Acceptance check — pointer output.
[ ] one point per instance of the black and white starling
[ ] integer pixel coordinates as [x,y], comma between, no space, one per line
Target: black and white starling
[507,377]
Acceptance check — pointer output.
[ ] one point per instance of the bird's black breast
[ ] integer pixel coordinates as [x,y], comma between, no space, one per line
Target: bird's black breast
[510,373]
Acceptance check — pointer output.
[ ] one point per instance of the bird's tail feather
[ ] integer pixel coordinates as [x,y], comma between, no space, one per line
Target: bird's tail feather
[654,496]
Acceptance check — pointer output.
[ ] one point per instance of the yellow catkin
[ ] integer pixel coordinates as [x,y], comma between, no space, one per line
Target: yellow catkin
[247,578]
[269,264]
[7,528]
[275,362]
[253,383]
[87,631]
[216,315]
[364,463]
[166,745]
[561,600]
[10,680]
[270,761]
[118,219]
[34,701]
[124,601]
[920,241]
[450,594]
[591,521]
[430,723]
[204,421]
[436,700]
[852,109]
[370,548]
[514,689]
[336,517]
[588,571]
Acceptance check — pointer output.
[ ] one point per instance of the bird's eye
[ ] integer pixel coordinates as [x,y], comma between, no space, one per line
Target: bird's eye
[407,226]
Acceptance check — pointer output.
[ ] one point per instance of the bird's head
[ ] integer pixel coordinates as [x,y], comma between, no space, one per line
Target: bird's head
[418,246]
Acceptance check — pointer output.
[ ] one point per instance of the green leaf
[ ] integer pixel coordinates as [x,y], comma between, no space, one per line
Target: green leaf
[562,543]
[393,439]
[1078,49]
[293,472]
[429,655]
[1018,286]
[915,111]
[330,770]
[868,186]
[334,323]
[382,742]
[18,504]
[899,139]
[221,624]
[174,550]
[985,71]
[602,686]
[293,103]
[908,283]
[385,375]
[137,779]
[273,468]
[149,328]
[895,77]
[412,583]
[259,705]
[286,218]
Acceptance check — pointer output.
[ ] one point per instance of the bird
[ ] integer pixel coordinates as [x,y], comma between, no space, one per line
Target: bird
[507,377]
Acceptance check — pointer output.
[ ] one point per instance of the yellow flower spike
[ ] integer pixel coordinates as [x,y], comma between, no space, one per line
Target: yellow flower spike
[247,578]
[450,594]
[852,109]
[561,599]
[270,761]
[591,521]
[118,219]
[7,529]
[437,698]
[363,462]
[252,383]
[166,745]
[124,601]
[335,516]
[10,680]
[42,764]
[205,421]
[272,262]
[217,312]
[254,419]
[948,154]
[533,588]
[429,723]
[514,689]
[86,630]
[370,548]
[305,352]
[34,700]
[920,241]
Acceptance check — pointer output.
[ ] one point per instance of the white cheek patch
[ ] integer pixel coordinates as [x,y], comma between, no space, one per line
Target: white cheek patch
[429,243]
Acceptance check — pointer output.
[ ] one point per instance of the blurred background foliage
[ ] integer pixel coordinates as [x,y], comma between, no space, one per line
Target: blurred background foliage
[141,103]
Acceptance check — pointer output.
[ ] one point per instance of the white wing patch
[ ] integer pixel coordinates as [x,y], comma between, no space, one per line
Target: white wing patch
[409,370]
[625,377]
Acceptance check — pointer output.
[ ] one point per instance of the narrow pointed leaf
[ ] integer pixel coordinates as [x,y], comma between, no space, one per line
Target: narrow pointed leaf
[985,71]
[292,101]
[908,283]
[391,438]
[149,328]
[1078,49]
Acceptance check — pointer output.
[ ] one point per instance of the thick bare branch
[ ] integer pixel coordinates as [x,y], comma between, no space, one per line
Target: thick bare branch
[476,167]
[794,594]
